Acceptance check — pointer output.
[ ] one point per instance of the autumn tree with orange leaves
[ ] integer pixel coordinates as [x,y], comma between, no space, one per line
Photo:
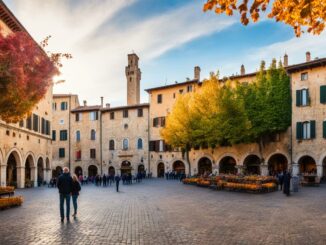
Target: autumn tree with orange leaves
[26,72]
[302,15]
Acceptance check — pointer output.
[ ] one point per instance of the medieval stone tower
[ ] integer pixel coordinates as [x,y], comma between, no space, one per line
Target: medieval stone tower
[133,75]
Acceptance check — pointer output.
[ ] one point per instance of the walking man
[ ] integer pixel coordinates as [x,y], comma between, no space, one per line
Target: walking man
[117,180]
[65,188]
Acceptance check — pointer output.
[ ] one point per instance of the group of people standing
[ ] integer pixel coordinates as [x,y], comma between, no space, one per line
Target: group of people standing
[174,175]
[284,180]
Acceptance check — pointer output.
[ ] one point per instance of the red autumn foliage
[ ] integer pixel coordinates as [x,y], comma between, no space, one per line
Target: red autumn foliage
[25,75]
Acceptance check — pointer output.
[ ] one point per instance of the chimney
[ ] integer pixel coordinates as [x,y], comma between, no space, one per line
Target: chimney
[101,101]
[85,103]
[286,60]
[242,70]
[308,57]
[197,73]
[107,105]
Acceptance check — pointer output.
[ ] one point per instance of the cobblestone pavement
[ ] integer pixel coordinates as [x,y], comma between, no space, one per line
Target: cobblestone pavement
[168,212]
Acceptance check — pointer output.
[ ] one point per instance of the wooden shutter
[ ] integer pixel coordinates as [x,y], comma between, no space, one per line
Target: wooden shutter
[324,129]
[312,129]
[308,98]
[323,94]
[299,130]
[298,98]
[157,145]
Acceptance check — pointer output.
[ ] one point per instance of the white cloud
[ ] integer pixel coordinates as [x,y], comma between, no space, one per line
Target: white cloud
[100,47]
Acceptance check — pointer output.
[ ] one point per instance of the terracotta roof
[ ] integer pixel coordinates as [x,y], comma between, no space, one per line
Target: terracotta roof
[172,85]
[306,65]
[125,107]
[87,108]
[234,77]
[63,95]
[9,19]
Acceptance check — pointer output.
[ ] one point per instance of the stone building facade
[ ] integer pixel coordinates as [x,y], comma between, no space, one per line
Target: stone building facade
[25,147]
[308,81]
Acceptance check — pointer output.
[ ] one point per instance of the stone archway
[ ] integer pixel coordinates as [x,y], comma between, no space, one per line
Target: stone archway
[141,169]
[12,164]
[227,165]
[204,166]
[252,164]
[160,170]
[40,171]
[307,165]
[30,171]
[79,171]
[92,171]
[125,168]
[277,163]
[111,171]
[179,167]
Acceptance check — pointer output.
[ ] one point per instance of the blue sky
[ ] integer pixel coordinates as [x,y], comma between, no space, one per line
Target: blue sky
[170,37]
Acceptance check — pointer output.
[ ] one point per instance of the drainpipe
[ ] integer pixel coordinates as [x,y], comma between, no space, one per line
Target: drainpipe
[101,157]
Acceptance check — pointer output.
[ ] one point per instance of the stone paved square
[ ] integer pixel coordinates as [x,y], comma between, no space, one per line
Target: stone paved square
[168,212]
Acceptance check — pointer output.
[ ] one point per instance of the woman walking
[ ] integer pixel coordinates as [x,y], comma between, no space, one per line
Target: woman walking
[75,193]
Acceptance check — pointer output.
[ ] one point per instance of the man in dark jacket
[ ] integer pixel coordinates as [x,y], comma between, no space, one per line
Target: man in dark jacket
[286,183]
[65,187]
[117,180]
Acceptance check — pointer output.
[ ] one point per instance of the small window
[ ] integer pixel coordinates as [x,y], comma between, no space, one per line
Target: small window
[61,152]
[93,134]
[21,123]
[159,98]
[189,88]
[125,126]
[54,106]
[7,132]
[173,95]
[304,76]
[77,135]
[54,135]
[93,115]
[61,122]
[140,112]
[302,97]
[78,117]
[139,144]
[306,130]
[125,113]
[111,145]
[78,155]
[323,94]
[125,144]
[111,115]
[35,122]
[93,153]
[181,91]
[63,135]
[64,106]
[29,123]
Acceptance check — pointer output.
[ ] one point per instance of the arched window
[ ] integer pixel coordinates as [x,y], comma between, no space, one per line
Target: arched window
[77,135]
[139,144]
[125,144]
[111,145]
[93,134]
[306,130]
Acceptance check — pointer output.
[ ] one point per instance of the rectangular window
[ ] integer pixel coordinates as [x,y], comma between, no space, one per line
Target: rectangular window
[173,95]
[77,135]
[54,106]
[161,147]
[159,98]
[304,76]
[78,117]
[93,115]
[64,106]
[112,115]
[21,123]
[152,145]
[125,113]
[61,121]
[189,88]
[140,112]
[323,94]
[306,130]
[63,135]
[93,153]
[29,122]
[302,97]
[61,152]
[324,129]
[54,135]
[159,122]
[78,155]
[181,91]
[35,122]
[47,127]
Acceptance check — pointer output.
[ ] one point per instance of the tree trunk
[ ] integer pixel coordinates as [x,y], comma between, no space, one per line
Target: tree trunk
[187,159]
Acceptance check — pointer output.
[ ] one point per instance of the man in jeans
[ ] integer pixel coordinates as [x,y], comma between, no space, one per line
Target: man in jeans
[65,188]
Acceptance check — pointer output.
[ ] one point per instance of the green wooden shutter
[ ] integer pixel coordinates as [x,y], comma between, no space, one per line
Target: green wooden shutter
[298,97]
[323,94]
[299,130]
[324,129]
[312,129]
[308,98]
